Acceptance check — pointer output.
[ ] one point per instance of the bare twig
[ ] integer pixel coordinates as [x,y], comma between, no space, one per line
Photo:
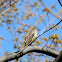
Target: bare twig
[60,2]
[56,15]
[8,8]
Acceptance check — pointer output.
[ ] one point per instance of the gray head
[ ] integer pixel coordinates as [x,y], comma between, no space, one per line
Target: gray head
[34,27]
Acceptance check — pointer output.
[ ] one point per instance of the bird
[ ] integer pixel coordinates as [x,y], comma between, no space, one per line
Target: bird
[30,36]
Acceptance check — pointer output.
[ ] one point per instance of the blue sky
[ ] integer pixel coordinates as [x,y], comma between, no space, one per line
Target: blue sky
[8,45]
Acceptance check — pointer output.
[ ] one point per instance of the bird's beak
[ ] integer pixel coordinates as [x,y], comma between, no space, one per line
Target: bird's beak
[38,29]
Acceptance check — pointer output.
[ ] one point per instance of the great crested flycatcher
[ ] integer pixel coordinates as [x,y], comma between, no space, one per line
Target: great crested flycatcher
[31,34]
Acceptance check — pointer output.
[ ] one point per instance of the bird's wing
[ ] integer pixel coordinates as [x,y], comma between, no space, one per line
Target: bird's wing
[28,38]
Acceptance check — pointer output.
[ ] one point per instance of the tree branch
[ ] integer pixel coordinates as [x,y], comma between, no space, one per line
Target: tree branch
[39,36]
[49,9]
[8,8]
[28,49]
[38,49]
[60,2]
[59,57]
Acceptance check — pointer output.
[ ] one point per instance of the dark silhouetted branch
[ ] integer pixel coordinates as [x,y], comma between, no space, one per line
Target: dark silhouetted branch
[59,57]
